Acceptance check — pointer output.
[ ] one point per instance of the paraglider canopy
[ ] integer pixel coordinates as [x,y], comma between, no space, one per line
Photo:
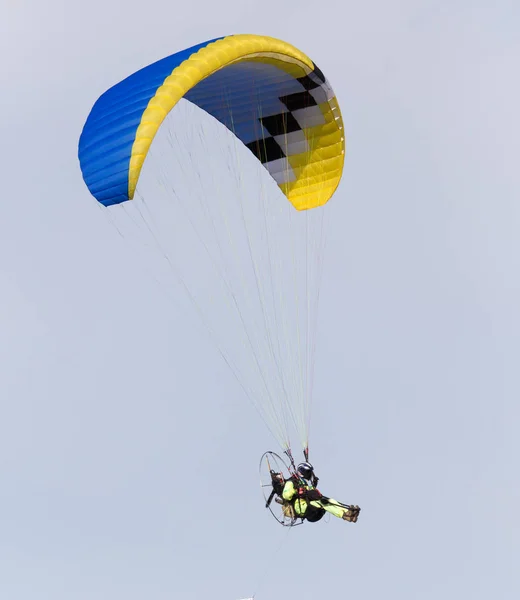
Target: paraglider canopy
[296,132]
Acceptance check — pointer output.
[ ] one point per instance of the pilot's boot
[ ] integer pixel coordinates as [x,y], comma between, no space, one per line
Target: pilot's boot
[351,514]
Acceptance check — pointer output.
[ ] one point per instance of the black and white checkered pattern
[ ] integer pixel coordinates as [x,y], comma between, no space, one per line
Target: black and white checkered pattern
[286,129]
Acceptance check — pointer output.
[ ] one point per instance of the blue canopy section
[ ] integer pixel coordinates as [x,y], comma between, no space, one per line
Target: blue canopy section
[241,94]
[107,138]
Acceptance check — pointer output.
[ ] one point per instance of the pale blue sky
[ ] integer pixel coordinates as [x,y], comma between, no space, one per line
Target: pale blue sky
[112,484]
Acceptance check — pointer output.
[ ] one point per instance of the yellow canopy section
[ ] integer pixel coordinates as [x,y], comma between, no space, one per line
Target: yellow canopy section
[309,164]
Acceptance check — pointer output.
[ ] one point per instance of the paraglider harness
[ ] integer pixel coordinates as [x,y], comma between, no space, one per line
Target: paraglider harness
[312,513]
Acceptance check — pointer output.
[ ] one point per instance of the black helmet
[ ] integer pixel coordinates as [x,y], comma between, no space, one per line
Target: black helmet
[305,470]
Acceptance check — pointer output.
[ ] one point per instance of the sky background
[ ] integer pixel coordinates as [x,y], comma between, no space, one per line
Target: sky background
[128,455]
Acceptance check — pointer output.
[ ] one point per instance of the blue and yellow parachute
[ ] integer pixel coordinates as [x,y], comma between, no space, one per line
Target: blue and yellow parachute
[262,256]
[268,93]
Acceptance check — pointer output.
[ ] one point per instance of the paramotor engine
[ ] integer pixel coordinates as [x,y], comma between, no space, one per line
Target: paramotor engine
[274,471]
